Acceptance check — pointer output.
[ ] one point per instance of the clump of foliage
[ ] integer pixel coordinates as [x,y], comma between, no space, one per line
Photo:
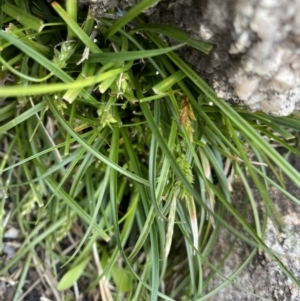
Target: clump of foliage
[118,159]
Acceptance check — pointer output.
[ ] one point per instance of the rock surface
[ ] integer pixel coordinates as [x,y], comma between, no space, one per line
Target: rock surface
[256,55]
[262,279]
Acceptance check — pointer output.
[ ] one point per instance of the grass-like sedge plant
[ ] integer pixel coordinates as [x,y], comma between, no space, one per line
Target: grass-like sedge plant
[118,160]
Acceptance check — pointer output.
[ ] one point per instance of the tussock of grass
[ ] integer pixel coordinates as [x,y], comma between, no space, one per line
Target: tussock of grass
[116,155]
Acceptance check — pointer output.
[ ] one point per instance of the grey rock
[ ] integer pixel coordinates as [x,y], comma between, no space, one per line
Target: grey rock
[262,279]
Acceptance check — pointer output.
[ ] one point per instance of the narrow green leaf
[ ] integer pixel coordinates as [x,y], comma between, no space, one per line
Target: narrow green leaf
[27,114]
[22,75]
[13,61]
[106,84]
[91,149]
[155,264]
[38,57]
[25,19]
[168,82]
[28,39]
[154,97]
[52,88]
[129,16]
[71,202]
[174,33]
[72,9]
[288,121]
[125,55]
[72,275]
[76,29]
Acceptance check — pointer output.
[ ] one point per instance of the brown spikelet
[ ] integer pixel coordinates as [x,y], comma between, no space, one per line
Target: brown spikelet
[186,115]
[184,108]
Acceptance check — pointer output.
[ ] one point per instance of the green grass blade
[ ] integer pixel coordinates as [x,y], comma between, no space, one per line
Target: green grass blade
[76,29]
[24,116]
[52,88]
[72,203]
[72,9]
[21,75]
[90,148]
[24,18]
[125,55]
[154,266]
[168,82]
[129,16]
[31,52]
[174,33]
